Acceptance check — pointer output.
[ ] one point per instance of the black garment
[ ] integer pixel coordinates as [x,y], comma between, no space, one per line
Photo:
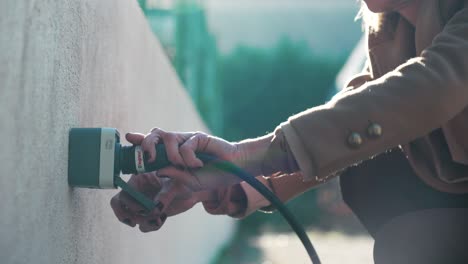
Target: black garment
[411,222]
[430,236]
[386,186]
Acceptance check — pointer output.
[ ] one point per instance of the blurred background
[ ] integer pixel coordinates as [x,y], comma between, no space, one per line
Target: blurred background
[250,64]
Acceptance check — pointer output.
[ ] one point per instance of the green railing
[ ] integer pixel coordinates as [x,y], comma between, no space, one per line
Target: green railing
[183,31]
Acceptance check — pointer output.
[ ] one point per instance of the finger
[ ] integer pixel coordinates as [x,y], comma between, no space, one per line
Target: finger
[183,176]
[149,145]
[135,138]
[123,215]
[172,148]
[132,206]
[149,184]
[188,148]
[164,199]
[152,224]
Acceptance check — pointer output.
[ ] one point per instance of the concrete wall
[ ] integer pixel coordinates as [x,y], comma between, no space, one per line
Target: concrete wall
[87,63]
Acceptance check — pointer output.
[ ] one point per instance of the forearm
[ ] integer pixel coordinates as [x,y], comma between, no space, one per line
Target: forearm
[252,153]
[267,155]
[288,186]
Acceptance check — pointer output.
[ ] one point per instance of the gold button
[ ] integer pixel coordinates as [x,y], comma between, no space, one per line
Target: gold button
[374,130]
[355,140]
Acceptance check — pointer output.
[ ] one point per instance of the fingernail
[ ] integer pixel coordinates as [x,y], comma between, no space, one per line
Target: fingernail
[163,217]
[127,221]
[153,222]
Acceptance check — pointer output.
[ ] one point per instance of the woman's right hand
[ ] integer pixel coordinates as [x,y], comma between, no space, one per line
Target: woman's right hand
[181,149]
[182,146]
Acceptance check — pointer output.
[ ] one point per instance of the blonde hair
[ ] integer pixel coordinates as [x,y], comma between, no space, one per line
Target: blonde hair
[370,21]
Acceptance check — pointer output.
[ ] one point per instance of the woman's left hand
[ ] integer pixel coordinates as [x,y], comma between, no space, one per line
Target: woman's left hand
[173,197]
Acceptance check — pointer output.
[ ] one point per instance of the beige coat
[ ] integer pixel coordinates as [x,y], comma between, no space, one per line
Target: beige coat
[414,95]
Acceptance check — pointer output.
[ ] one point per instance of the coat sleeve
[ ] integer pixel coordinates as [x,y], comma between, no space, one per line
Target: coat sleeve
[406,103]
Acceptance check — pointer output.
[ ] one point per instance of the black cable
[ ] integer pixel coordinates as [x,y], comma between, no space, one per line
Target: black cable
[127,162]
[274,200]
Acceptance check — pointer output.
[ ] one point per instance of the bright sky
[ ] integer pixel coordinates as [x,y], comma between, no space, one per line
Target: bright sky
[280,3]
[327,25]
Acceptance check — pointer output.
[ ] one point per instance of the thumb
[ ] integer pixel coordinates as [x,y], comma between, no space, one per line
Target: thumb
[135,138]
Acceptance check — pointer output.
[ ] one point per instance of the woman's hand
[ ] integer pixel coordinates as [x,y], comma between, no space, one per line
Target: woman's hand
[130,212]
[172,196]
[186,167]
[181,147]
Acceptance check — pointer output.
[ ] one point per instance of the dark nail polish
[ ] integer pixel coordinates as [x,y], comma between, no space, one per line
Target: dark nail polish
[127,221]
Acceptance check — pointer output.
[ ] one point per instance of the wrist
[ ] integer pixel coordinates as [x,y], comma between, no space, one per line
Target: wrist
[251,153]
[279,157]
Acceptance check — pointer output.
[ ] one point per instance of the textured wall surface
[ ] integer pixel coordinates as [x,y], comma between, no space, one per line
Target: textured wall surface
[85,63]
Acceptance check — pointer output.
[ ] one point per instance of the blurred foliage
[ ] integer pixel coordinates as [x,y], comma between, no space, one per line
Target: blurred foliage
[250,91]
[262,88]
[182,28]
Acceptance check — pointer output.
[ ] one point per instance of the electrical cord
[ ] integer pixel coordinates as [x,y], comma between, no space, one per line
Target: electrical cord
[274,200]
[127,161]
